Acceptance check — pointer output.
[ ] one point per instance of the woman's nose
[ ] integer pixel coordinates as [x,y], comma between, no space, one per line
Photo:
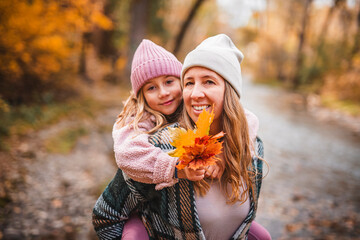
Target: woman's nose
[197,92]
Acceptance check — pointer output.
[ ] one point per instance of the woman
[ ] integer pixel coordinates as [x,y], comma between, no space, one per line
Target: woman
[211,79]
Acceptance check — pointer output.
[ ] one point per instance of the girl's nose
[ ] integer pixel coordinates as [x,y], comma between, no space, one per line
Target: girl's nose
[197,92]
[163,92]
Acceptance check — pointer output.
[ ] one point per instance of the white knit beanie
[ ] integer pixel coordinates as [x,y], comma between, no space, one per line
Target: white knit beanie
[219,54]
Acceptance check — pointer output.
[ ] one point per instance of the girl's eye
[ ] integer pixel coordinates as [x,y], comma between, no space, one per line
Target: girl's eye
[170,81]
[150,88]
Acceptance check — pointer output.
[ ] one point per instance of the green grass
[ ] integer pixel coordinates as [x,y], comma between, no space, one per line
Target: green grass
[347,106]
[272,82]
[65,141]
[20,120]
[104,128]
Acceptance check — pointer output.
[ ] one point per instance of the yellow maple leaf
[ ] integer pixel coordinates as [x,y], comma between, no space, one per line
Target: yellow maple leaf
[180,138]
[195,148]
[203,123]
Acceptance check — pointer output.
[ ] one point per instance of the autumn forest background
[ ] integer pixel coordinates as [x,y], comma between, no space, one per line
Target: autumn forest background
[68,60]
[46,47]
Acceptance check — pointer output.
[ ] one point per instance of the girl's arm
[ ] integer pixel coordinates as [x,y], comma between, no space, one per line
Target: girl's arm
[141,160]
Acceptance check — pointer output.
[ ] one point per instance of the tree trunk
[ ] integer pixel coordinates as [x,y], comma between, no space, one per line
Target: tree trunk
[139,11]
[325,27]
[103,39]
[302,39]
[82,71]
[356,46]
[328,18]
[186,24]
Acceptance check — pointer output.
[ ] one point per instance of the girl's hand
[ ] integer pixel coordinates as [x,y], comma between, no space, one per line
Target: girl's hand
[192,175]
[213,171]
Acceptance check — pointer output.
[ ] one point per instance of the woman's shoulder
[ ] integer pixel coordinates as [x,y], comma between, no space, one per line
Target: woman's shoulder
[259,147]
[257,159]
[161,138]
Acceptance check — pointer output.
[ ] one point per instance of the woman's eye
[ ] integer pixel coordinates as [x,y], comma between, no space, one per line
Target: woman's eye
[151,88]
[210,82]
[188,84]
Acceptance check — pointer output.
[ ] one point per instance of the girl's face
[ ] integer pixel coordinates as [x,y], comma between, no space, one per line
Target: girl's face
[163,94]
[204,88]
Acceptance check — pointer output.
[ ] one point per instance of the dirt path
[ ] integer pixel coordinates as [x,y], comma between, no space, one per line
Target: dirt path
[312,189]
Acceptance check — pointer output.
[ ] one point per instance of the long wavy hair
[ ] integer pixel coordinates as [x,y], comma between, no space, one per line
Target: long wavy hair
[135,108]
[238,170]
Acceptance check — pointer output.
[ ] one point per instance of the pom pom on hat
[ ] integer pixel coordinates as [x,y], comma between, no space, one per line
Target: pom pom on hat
[150,61]
[219,54]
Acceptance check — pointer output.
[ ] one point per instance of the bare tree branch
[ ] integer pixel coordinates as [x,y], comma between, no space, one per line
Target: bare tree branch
[186,24]
[302,39]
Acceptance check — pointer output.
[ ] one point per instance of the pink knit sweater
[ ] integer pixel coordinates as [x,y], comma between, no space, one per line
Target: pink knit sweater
[146,163]
[141,160]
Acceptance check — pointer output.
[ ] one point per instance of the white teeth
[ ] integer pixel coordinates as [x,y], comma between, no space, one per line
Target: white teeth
[200,108]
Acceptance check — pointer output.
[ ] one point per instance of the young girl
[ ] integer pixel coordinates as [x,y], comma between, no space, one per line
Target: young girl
[155,101]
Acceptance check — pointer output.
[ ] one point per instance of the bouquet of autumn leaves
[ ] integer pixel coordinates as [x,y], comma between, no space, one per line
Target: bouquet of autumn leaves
[196,148]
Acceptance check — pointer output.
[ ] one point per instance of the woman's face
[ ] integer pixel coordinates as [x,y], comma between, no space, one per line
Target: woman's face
[204,88]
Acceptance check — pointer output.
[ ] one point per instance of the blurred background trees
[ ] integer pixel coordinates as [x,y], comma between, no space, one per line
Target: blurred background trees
[64,71]
[41,41]
[47,47]
[307,45]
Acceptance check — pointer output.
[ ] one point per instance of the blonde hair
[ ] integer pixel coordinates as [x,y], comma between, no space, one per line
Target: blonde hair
[237,165]
[135,107]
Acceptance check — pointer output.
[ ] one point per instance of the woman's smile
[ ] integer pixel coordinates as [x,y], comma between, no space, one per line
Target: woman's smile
[201,107]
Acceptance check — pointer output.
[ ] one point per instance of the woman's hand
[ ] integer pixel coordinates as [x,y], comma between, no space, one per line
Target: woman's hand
[191,174]
[213,171]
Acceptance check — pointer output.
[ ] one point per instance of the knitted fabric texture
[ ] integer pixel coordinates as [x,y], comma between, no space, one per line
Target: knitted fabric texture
[150,61]
[139,159]
[219,54]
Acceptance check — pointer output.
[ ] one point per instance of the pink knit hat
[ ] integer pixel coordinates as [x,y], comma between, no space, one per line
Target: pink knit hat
[150,61]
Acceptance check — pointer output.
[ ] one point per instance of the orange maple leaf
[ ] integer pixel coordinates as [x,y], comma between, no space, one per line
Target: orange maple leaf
[196,148]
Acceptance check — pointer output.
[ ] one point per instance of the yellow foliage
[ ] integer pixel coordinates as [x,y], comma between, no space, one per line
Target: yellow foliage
[121,63]
[102,21]
[45,65]
[54,44]
[39,37]
[4,107]
[343,86]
